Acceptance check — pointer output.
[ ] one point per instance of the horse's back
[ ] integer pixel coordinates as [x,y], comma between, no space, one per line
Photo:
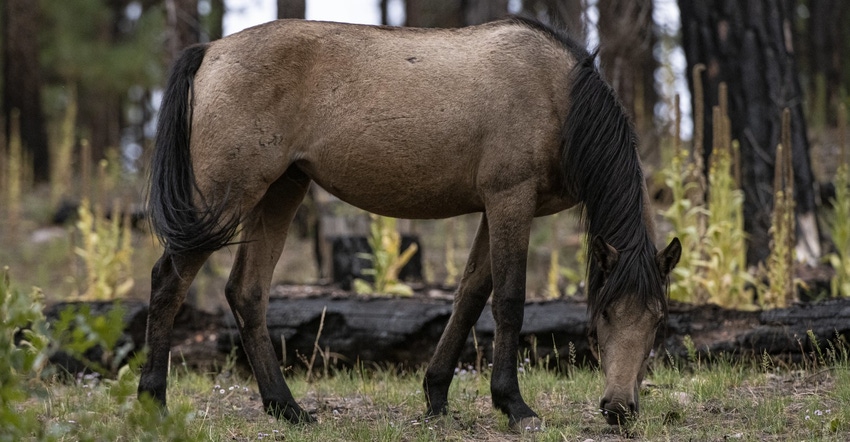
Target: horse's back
[386,117]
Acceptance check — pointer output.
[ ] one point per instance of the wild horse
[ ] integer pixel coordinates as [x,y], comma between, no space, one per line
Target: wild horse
[509,118]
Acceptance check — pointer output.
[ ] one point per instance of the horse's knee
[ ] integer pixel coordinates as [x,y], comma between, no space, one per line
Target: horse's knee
[248,305]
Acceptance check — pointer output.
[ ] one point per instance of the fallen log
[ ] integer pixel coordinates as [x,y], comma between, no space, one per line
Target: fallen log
[405,331]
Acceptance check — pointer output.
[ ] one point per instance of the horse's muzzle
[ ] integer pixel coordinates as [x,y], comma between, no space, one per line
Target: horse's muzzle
[617,413]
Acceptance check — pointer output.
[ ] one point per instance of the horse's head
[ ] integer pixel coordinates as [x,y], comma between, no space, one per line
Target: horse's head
[624,322]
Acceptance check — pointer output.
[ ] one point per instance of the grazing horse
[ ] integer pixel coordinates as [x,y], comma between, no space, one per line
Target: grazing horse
[510,119]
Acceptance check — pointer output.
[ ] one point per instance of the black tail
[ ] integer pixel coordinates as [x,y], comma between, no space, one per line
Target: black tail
[179,224]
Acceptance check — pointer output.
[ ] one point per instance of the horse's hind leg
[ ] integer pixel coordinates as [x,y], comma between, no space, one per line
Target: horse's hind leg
[170,280]
[470,299]
[247,291]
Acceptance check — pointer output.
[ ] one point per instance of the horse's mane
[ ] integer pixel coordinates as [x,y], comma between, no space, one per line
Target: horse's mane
[602,169]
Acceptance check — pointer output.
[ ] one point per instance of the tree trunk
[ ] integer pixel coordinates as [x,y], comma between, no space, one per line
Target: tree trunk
[626,41]
[434,13]
[22,81]
[748,46]
[826,34]
[291,8]
[482,11]
[183,25]
[565,14]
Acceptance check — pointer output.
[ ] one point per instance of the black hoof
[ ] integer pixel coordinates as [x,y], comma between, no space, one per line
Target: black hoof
[290,412]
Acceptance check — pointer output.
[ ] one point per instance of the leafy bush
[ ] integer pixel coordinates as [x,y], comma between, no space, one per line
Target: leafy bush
[21,320]
[78,331]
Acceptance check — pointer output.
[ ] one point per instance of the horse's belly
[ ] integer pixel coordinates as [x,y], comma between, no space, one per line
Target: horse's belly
[396,190]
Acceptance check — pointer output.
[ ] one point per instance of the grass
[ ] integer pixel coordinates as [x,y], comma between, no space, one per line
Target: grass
[687,401]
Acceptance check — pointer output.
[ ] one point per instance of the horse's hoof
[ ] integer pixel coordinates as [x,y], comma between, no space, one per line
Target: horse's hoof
[530,424]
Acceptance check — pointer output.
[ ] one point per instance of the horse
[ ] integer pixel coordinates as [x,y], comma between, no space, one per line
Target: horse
[510,119]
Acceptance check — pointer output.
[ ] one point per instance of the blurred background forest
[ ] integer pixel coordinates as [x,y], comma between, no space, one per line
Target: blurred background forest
[81,83]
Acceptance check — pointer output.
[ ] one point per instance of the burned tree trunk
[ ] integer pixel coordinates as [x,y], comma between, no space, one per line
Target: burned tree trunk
[626,41]
[22,80]
[434,13]
[482,11]
[291,8]
[565,14]
[748,46]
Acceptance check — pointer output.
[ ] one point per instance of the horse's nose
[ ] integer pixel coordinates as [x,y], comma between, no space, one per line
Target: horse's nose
[617,413]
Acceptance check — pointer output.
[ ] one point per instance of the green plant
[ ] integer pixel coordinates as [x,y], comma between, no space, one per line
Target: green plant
[684,215]
[78,330]
[574,276]
[712,267]
[21,320]
[106,251]
[14,175]
[839,221]
[839,228]
[386,258]
[724,271]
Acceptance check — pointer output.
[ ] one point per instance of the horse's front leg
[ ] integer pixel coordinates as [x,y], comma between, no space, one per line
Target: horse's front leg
[170,280]
[247,290]
[510,225]
[470,299]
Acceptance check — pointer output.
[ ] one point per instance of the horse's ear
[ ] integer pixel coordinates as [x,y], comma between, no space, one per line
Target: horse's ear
[669,257]
[606,255]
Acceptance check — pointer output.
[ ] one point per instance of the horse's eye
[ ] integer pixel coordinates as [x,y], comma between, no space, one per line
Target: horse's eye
[605,315]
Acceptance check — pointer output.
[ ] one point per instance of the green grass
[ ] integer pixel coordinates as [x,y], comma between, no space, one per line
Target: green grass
[690,401]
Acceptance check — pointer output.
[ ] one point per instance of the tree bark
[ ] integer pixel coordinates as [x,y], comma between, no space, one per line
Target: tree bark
[626,41]
[183,25]
[434,13]
[748,45]
[826,34]
[482,11]
[291,8]
[564,14]
[22,81]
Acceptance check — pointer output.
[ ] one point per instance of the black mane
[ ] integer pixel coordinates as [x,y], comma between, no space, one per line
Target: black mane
[602,169]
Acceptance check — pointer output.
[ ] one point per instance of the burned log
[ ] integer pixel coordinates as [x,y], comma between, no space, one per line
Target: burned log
[405,331]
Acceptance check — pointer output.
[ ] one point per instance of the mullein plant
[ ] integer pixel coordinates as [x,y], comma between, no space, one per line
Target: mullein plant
[387,259]
[779,271]
[713,263]
[839,225]
[723,271]
[684,215]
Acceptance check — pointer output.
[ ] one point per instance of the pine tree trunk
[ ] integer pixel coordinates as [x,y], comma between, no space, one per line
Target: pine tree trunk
[626,41]
[22,80]
[748,45]
[291,8]
[183,25]
[434,13]
[482,11]
[564,14]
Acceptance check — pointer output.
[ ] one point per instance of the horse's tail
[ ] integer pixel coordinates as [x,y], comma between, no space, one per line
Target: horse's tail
[179,224]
